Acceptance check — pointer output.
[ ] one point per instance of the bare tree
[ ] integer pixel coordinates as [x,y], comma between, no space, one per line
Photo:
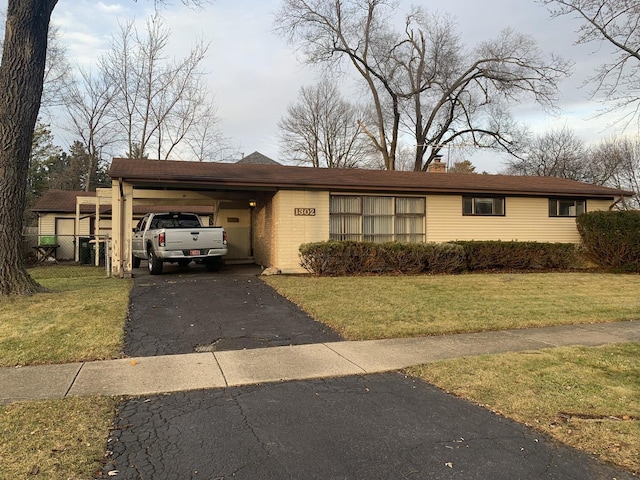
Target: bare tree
[56,72]
[21,79]
[616,23]
[444,92]
[322,129]
[327,32]
[460,96]
[88,104]
[22,73]
[156,101]
[616,162]
[555,153]
[205,140]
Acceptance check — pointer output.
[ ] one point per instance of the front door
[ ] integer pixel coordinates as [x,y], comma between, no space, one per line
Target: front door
[236,222]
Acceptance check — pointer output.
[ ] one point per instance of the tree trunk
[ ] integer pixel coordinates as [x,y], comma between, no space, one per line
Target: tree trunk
[21,80]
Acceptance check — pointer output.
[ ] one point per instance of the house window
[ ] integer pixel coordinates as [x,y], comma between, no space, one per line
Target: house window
[566,207]
[377,219]
[483,206]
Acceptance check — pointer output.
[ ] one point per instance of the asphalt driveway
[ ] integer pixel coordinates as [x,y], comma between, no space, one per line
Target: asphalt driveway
[190,310]
[377,427]
[383,426]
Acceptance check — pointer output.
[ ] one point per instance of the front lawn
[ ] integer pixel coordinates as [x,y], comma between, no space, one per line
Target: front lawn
[81,319]
[55,439]
[362,308]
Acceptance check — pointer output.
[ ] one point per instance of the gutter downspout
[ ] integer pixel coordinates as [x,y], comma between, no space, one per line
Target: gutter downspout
[120,242]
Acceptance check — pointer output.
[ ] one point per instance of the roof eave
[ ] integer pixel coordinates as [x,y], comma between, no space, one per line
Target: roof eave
[257,185]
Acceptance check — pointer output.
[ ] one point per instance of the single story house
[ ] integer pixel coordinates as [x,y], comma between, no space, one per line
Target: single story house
[270,210]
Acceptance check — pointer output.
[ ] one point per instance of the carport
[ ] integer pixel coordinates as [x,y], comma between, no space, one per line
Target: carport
[233,206]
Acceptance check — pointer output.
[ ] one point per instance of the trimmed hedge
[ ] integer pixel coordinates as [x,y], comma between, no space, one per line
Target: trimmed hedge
[497,255]
[336,258]
[361,258]
[612,238]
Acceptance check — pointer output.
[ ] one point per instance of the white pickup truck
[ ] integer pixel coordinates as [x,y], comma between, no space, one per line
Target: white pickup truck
[177,237]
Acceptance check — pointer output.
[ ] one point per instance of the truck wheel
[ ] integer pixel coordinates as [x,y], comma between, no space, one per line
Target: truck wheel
[213,264]
[135,262]
[155,264]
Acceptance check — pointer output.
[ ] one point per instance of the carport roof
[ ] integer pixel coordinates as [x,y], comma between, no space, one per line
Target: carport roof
[64,201]
[233,176]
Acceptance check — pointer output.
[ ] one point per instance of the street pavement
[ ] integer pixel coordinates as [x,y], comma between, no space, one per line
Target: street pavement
[319,409]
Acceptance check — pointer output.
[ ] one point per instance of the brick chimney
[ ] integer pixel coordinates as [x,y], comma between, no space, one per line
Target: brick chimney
[436,166]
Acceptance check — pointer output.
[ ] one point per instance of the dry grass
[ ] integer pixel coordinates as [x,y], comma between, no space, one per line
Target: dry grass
[81,319]
[588,398]
[55,439]
[361,308]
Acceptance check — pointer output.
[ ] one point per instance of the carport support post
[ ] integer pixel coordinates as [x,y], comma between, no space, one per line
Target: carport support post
[122,226]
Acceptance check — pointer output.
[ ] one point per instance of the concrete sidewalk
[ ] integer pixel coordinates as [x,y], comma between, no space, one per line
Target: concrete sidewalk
[172,373]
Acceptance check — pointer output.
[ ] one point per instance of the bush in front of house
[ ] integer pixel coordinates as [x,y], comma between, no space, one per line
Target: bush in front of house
[611,238]
[499,255]
[338,258]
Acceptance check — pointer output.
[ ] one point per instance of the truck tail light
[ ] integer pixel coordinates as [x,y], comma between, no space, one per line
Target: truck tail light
[224,238]
[161,240]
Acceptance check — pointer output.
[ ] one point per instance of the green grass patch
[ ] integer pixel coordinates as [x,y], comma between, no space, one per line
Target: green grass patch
[588,398]
[80,319]
[362,308]
[55,439]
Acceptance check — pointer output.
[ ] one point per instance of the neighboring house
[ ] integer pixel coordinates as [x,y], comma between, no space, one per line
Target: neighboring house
[62,219]
[256,158]
[270,210]
[65,217]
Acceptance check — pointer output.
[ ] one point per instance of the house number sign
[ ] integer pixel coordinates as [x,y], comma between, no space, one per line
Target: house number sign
[304,212]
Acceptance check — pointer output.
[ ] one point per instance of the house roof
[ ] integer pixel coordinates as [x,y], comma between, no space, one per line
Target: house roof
[64,201]
[233,176]
[256,158]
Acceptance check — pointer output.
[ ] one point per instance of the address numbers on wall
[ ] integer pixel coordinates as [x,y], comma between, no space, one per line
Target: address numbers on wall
[304,212]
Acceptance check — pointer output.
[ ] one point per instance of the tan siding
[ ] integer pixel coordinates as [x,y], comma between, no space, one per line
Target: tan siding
[47,224]
[84,227]
[526,219]
[593,205]
[105,226]
[292,231]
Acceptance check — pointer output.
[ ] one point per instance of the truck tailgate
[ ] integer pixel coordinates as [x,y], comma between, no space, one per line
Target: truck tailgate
[200,238]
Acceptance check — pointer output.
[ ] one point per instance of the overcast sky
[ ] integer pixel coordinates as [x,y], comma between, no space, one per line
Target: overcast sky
[254,75]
